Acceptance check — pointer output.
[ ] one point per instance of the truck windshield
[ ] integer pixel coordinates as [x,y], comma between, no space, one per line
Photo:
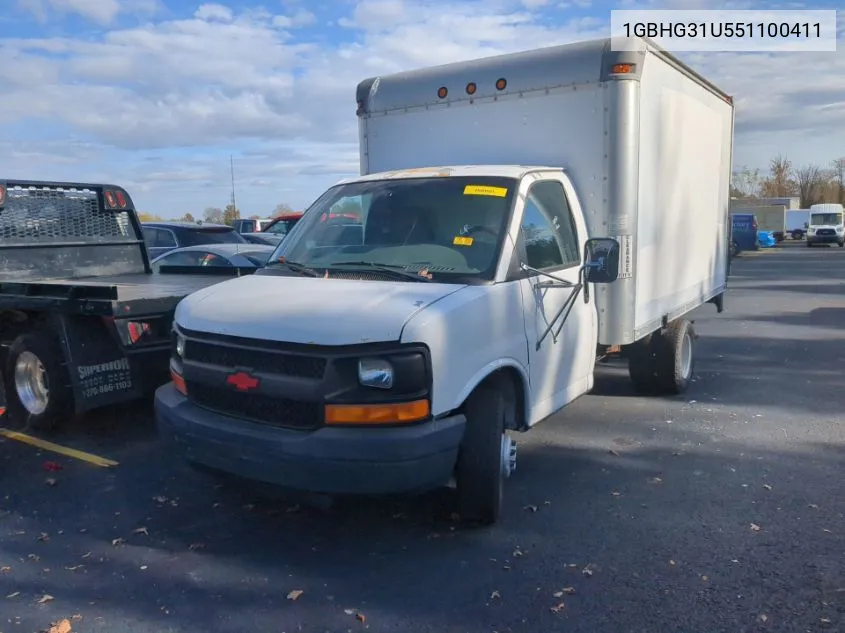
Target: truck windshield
[825,219]
[448,228]
[211,235]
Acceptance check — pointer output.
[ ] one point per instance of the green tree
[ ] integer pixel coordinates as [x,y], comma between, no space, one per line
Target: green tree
[230,214]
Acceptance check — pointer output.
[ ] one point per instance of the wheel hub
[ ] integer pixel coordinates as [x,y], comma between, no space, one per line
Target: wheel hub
[686,355]
[31,383]
[508,457]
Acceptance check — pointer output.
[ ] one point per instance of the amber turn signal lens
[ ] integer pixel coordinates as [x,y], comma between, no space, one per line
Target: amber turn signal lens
[394,413]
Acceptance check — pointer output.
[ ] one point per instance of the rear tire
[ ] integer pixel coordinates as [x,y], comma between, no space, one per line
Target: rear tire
[487,455]
[664,361]
[38,390]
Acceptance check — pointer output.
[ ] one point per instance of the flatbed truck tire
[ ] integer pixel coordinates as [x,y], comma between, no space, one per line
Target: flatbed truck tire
[487,455]
[35,377]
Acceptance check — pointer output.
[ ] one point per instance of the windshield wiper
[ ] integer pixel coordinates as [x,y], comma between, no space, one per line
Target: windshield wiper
[294,266]
[395,269]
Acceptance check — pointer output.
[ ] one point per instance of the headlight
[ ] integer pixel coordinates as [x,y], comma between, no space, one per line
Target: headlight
[180,345]
[375,372]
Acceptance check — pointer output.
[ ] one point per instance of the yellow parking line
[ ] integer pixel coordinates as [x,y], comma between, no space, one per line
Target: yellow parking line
[58,448]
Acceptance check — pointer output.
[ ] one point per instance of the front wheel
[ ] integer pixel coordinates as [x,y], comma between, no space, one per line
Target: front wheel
[488,454]
[36,381]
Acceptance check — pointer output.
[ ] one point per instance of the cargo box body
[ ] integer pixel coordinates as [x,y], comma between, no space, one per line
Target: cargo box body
[646,142]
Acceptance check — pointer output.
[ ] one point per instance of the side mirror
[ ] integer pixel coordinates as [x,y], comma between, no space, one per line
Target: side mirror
[601,260]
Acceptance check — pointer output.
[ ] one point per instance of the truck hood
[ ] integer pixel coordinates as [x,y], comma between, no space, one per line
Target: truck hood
[308,310]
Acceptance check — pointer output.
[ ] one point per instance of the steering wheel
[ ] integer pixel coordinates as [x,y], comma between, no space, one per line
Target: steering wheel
[479,228]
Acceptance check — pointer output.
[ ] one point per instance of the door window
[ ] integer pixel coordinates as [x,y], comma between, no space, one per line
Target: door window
[548,235]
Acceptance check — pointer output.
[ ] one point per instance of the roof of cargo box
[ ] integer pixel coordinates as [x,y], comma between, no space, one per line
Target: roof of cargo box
[447,171]
[579,63]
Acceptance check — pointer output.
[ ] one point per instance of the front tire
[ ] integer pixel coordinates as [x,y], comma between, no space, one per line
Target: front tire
[487,455]
[36,381]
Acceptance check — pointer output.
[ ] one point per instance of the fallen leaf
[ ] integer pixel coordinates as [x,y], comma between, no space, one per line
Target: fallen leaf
[118,541]
[826,531]
[565,591]
[349,611]
[45,598]
[614,453]
[62,626]
[495,596]
[558,608]
[813,506]
[14,595]
[755,527]
[5,569]
[531,508]
[616,494]
[518,552]
[44,537]
[705,578]
[763,617]
[74,567]
[51,466]
[141,530]
[50,481]
[33,557]
[655,480]
[824,620]
[293,595]
[361,618]
[76,617]
[766,487]
[142,567]
[196,546]
[672,563]
[86,555]
[587,571]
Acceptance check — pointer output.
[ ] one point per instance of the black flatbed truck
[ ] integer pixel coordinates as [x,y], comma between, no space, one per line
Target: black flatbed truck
[84,321]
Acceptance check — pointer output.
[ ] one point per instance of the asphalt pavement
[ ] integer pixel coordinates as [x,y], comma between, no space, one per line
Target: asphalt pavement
[721,510]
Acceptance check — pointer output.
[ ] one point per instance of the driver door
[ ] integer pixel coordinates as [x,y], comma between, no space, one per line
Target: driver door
[561,347]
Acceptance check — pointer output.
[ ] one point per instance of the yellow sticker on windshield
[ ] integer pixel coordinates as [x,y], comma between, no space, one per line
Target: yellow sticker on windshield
[462,241]
[482,190]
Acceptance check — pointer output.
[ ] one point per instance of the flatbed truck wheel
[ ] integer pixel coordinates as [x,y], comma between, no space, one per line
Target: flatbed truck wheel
[488,454]
[36,381]
[664,361]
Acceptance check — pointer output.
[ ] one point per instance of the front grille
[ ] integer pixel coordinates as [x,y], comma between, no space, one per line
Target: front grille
[44,214]
[825,232]
[271,362]
[279,412]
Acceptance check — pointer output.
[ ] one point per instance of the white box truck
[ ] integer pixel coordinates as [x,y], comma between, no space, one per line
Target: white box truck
[516,218]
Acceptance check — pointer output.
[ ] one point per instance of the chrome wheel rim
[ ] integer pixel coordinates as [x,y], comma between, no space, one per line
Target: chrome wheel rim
[31,383]
[686,355]
[508,455]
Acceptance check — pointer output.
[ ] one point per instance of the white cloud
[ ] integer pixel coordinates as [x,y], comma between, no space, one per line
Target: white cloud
[250,83]
[211,12]
[101,11]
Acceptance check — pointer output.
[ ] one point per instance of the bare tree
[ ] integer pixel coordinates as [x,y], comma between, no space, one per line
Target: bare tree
[282,208]
[839,179]
[781,182]
[213,215]
[811,181]
[745,183]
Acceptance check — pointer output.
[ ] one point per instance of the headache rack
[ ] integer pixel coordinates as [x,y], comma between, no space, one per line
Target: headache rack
[52,230]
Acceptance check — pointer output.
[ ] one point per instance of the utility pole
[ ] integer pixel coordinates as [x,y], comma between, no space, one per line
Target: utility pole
[232,171]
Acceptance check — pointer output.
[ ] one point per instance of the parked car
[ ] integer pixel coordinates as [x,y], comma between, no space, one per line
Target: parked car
[163,237]
[249,225]
[276,230]
[232,255]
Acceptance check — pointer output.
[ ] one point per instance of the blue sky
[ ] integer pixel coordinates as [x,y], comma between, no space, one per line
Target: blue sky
[156,94]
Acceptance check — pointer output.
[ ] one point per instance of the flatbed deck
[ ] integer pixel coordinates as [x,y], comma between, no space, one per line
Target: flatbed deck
[109,294]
